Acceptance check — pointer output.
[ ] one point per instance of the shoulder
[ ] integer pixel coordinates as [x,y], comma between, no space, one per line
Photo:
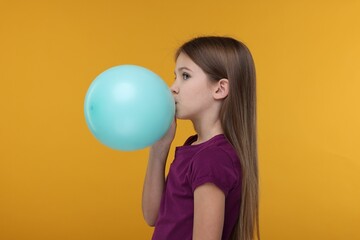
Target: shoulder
[215,156]
[218,148]
[215,164]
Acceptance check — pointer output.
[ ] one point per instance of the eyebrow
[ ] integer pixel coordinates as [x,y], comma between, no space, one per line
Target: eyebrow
[184,68]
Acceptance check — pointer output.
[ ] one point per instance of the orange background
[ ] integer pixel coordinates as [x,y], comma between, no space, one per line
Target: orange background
[58,182]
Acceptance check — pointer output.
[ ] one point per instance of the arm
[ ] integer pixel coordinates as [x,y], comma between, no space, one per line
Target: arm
[209,208]
[155,176]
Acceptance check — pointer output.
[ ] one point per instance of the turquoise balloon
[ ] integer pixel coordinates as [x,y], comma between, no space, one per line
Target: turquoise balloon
[128,107]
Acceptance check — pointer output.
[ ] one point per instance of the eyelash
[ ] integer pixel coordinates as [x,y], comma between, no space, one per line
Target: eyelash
[185,76]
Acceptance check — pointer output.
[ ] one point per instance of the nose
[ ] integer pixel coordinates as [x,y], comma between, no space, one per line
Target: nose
[174,89]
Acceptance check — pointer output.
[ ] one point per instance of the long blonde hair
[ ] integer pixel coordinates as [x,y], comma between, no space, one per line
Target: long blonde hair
[225,57]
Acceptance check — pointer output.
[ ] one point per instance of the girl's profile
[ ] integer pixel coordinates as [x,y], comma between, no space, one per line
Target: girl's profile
[211,190]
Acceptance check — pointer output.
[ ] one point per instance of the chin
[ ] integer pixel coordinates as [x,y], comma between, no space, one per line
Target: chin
[179,116]
[182,117]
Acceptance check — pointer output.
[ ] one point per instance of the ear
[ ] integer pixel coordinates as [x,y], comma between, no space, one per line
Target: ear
[221,89]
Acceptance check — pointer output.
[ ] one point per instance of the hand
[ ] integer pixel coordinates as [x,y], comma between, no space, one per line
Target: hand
[167,139]
[155,175]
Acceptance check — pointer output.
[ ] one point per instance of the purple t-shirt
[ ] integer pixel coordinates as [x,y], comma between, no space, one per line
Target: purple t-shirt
[214,161]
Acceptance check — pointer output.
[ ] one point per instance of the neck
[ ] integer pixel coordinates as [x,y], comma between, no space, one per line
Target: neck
[206,129]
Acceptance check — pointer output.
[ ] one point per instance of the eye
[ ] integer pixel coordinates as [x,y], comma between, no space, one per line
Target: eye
[185,76]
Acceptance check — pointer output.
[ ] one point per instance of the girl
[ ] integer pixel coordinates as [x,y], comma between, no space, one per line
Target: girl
[211,191]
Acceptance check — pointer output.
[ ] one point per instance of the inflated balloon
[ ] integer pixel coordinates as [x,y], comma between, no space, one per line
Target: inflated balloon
[128,107]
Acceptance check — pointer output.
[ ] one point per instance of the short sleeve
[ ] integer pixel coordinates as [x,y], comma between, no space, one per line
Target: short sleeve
[213,165]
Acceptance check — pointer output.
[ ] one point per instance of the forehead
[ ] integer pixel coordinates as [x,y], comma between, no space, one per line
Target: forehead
[184,60]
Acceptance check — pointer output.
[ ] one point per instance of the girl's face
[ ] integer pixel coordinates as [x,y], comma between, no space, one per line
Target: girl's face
[192,90]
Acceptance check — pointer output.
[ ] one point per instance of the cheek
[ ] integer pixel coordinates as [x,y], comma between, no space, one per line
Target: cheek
[195,95]
[198,92]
